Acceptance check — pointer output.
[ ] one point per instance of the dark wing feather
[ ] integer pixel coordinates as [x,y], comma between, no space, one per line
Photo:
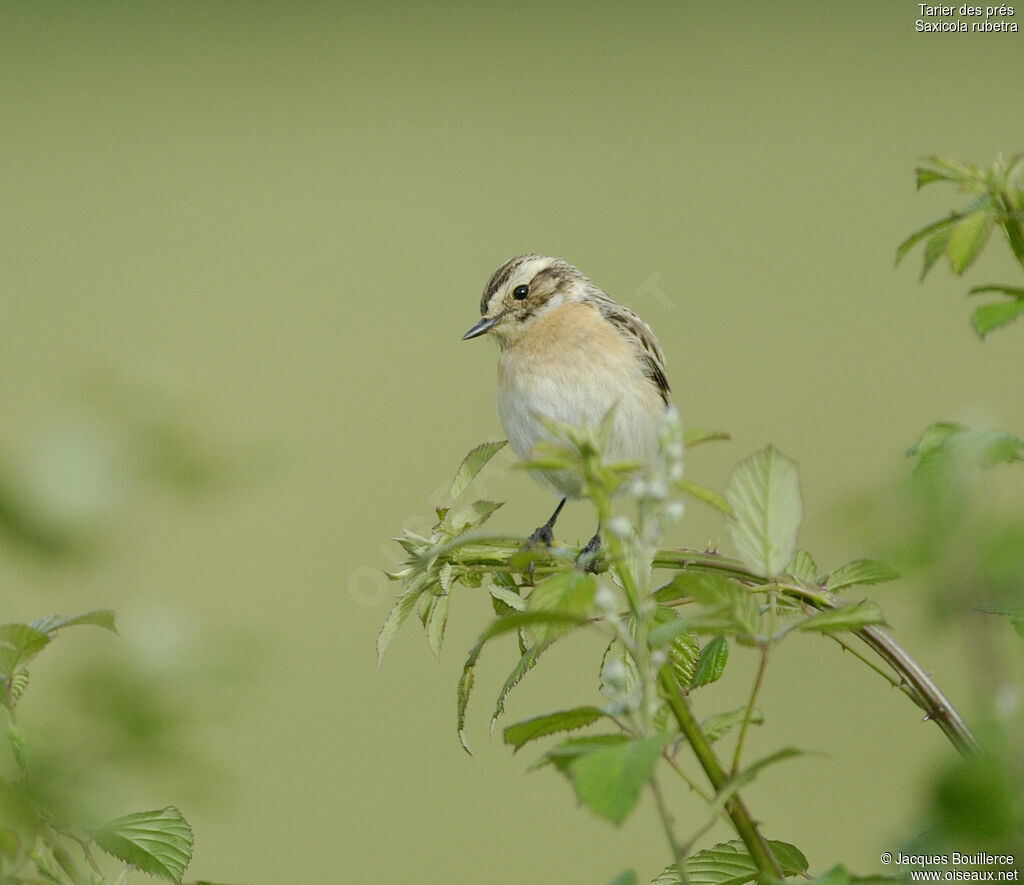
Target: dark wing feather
[640,336]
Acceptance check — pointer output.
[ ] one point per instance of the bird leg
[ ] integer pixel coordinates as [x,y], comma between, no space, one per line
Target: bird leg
[543,535]
[587,557]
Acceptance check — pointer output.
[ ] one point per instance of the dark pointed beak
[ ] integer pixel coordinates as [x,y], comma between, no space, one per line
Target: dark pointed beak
[485,325]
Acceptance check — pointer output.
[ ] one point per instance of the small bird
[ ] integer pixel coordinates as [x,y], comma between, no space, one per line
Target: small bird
[569,353]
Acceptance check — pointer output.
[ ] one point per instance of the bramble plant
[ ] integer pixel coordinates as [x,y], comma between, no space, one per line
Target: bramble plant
[670,618]
[129,432]
[34,835]
[998,202]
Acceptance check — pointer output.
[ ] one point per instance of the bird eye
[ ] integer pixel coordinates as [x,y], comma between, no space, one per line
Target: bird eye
[520,292]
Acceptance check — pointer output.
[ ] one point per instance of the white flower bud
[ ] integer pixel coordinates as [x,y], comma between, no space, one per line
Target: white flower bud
[620,527]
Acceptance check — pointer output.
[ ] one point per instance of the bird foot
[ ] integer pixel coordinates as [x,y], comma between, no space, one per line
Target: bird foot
[587,558]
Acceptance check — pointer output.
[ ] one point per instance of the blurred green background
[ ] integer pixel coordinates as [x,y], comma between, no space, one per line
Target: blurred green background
[266,226]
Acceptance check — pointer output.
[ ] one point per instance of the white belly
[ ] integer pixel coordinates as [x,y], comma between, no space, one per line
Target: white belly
[578,393]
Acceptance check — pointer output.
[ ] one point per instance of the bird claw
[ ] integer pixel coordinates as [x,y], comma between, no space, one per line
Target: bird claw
[588,557]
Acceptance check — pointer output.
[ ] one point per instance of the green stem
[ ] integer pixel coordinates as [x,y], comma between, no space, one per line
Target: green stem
[666,822]
[738,814]
[494,552]
[758,682]
[914,681]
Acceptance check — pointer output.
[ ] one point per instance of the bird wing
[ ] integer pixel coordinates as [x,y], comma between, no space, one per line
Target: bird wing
[641,338]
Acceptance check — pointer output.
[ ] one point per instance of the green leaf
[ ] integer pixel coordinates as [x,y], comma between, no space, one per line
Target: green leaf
[512,599]
[157,842]
[927,176]
[926,231]
[12,687]
[934,249]
[984,448]
[471,465]
[695,436]
[847,617]
[437,620]
[764,492]
[711,663]
[990,317]
[522,733]
[720,724]
[1012,291]
[99,618]
[803,567]
[662,634]
[703,493]
[506,624]
[731,786]
[729,863]
[526,663]
[967,239]
[609,780]
[729,607]
[474,516]
[567,752]
[626,877]
[934,437]
[400,611]
[19,643]
[570,592]
[861,571]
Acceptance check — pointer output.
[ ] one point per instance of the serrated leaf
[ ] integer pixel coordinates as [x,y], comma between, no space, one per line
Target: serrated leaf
[626,877]
[920,234]
[437,620]
[934,249]
[12,687]
[730,607]
[861,571]
[711,663]
[526,663]
[703,493]
[662,634]
[474,516]
[990,317]
[847,617]
[400,611]
[103,617]
[522,733]
[508,623]
[720,724]
[695,436]
[471,466]
[567,752]
[729,863]
[967,239]
[569,592]
[157,842]
[764,493]
[705,587]
[609,780]
[512,599]
[803,566]
[19,643]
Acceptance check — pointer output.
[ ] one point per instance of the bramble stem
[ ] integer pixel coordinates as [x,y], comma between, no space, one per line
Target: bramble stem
[492,553]
[666,822]
[738,814]
[758,682]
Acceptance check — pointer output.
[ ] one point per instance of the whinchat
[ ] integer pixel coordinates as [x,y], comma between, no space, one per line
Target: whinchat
[569,354]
